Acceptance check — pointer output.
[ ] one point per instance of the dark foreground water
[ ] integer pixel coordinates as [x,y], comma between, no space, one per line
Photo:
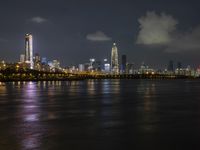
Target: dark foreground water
[100,115]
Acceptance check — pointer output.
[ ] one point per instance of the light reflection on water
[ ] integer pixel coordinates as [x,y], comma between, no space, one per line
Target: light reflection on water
[119,113]
[29,122]
[148,106]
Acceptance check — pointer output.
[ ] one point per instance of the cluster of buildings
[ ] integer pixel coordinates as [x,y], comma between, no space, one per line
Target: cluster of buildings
[34,61]
[110,67]
[31,60]
[115,67]
[180,70]
[105,66]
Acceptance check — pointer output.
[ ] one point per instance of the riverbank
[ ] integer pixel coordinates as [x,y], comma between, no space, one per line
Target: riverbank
[61,77]
[10,75]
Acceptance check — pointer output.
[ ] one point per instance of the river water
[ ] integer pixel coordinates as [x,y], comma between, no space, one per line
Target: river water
[100,115]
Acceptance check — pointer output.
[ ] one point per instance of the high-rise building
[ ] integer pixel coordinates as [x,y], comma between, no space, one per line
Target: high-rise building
[37,61]
[37,58]
[81,67]
[179,65]
[97,66]
[123,66]
[44,61]
[56,64]
[29,50]
[129,68]
[170,66]
[107,68]
[92,61]
[114,60]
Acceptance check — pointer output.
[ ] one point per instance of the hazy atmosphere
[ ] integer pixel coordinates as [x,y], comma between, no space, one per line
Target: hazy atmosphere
[74,31]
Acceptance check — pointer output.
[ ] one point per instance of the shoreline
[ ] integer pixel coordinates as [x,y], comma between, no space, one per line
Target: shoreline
[100,78]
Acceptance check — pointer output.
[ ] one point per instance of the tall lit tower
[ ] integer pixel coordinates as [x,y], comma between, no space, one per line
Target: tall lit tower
[29,49]
[114,60]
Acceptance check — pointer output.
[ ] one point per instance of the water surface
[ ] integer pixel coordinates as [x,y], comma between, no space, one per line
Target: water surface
[100,115]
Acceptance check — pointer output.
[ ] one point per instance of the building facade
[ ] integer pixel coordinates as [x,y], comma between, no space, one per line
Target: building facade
[124,62]
[114,60]
[29,50]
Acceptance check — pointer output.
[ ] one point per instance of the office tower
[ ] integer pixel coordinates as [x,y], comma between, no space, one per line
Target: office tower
[123,66]
[87,66]
[114,60]
[170,66]
[179,65]
[44,60]
[29,50]
[107,67]
[37,61]
[56,64]
[37,58]
[130,68]
[97,66]
[92,61]
[81,67]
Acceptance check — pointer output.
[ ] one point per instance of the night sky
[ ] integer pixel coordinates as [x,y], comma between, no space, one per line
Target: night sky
[73,31]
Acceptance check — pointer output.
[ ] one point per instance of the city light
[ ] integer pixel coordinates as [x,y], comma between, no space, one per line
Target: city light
[93,69]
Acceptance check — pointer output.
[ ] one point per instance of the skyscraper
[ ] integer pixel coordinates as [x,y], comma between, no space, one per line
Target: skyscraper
[170,66]
[29,50]
[123,69]
[114,60]
[179,65]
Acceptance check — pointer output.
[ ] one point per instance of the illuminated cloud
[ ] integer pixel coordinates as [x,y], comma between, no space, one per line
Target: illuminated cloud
[156,28]
[38,20]
[98,36]
[160,30]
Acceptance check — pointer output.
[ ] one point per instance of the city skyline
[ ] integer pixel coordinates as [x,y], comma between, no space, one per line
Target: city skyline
[117,65]
[65,30]
[99,75]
